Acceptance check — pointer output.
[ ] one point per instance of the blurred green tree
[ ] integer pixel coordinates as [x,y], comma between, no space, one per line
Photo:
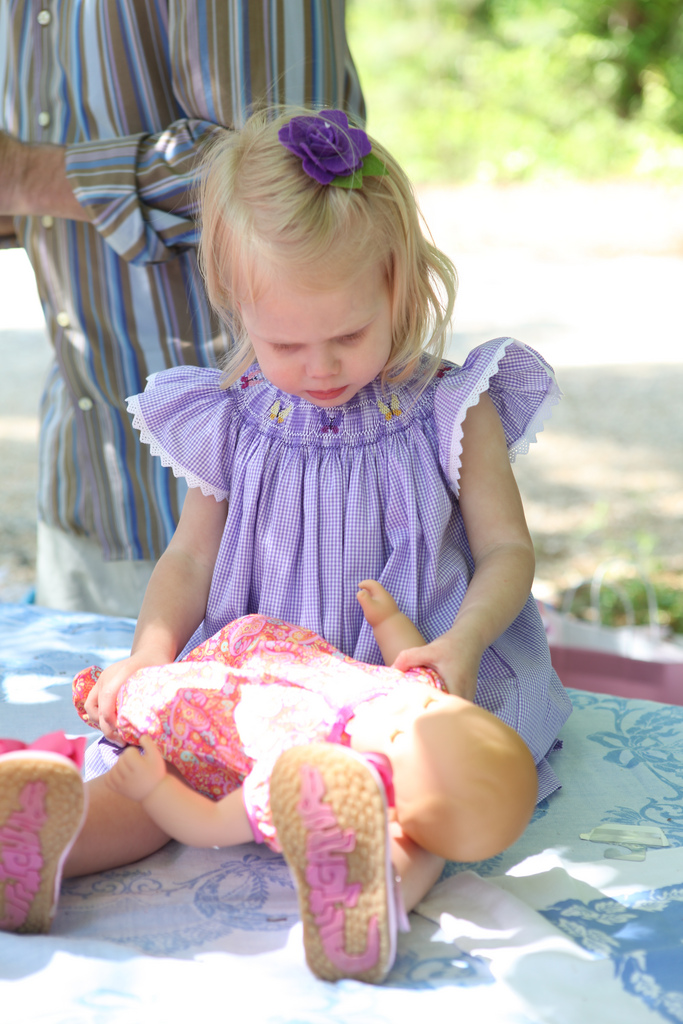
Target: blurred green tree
[509,90]
[642,37]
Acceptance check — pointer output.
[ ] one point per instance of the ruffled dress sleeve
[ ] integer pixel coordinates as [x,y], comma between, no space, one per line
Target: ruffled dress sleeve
[190,424]
[521,385]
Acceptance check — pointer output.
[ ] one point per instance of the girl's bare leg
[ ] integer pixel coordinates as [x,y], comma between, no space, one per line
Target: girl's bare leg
[116,831]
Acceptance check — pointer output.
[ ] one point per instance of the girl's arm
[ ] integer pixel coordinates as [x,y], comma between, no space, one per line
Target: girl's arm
[173,606]
[502,550]
[179,811]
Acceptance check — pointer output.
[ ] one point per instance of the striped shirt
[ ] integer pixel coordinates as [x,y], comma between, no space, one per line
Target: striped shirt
[135,89]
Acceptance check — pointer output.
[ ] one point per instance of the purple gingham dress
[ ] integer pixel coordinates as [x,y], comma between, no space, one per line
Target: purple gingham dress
[319,499]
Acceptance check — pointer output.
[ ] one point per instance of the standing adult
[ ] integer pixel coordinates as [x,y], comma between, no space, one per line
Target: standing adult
[107,105]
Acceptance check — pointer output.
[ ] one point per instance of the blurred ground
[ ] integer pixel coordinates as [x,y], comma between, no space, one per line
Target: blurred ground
[591,275]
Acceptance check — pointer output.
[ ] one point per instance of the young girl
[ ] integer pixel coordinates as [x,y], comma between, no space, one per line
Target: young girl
[337,445]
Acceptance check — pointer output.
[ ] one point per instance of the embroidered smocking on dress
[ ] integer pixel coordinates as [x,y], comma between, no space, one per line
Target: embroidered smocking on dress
[312,512]
[393,409]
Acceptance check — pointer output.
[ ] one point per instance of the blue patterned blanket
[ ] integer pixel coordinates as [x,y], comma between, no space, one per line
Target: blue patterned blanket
[557,929]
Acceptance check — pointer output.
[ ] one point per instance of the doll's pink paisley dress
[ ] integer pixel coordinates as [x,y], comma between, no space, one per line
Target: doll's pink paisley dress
[226,712]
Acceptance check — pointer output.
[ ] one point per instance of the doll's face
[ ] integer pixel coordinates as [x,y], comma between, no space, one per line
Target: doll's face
[321,343]
[385,723]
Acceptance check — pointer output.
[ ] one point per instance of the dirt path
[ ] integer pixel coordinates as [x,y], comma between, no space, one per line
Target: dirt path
[591,276]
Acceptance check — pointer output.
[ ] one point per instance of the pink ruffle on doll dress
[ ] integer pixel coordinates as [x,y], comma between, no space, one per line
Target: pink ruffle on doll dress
[224,714]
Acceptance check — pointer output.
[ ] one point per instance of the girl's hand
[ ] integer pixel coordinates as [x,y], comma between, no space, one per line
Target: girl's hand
[100,704]
[457,666]
[136,773]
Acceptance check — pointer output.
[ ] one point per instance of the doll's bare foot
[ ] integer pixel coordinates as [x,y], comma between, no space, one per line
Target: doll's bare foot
[377,603]
[394,632]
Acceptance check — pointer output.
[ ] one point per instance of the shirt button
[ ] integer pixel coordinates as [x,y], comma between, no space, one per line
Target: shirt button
[85,403]
[44,18]
[63,319]
[47,221]
[43,119]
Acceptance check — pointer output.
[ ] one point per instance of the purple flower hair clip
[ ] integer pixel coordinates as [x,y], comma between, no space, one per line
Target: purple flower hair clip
[331,151]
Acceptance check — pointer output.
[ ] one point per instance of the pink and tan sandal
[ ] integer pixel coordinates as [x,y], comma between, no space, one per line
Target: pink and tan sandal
[42,806]
[329,807]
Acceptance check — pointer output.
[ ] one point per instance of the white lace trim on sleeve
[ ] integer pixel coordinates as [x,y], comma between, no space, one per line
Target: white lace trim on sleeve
[521,446]
[167,460]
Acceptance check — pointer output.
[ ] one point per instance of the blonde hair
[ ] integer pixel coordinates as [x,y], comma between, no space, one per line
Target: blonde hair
[261,212]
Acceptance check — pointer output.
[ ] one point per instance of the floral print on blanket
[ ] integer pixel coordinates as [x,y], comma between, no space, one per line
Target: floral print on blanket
[642,936]
[644,738]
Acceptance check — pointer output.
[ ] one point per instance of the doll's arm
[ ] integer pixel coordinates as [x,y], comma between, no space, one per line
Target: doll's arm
[137,773]
[183,814]
[502,550]
[173,606]
[393,630]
